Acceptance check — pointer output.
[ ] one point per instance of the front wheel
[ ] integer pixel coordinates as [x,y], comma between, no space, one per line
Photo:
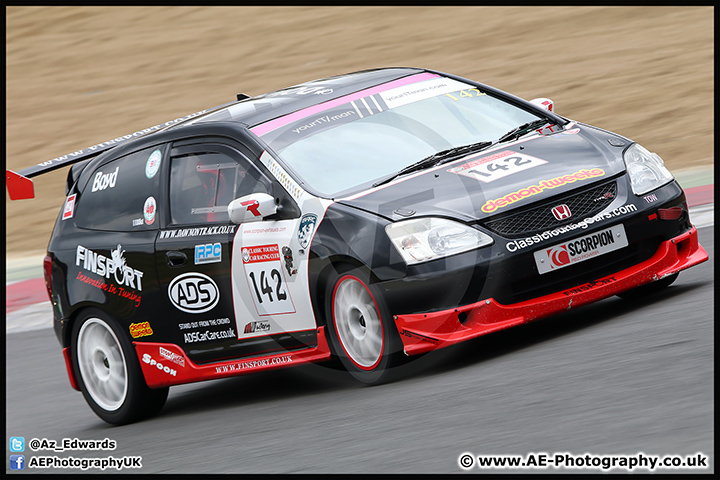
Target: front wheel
[106,365]
[361,332]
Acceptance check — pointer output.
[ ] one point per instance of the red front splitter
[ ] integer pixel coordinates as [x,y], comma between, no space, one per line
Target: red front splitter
[165,364]
[423,332]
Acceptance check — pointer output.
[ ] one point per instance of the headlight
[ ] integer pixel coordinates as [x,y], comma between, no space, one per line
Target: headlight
[647,170]
[424,239]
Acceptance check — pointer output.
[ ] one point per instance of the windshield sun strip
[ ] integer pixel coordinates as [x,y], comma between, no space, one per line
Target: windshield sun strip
[271,125]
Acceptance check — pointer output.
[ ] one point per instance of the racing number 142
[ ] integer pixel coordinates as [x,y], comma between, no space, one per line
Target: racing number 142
[265,288]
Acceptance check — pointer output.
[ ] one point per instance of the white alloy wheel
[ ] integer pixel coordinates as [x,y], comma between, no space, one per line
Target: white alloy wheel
[102,364]
[357,322]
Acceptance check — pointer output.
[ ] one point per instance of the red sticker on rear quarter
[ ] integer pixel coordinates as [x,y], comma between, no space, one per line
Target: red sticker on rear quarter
[69,208]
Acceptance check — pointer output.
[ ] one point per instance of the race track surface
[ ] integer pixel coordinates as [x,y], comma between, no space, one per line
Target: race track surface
[615,378]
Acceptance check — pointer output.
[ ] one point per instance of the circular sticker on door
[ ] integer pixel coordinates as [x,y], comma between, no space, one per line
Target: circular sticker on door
[149,210]
[153,164]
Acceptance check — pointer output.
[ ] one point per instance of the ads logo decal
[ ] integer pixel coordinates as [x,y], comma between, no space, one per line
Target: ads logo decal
[561,212]
[103,181]
[193,293]
[306,229]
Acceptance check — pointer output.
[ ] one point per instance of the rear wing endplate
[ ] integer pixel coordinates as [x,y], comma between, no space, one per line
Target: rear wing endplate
[20,186]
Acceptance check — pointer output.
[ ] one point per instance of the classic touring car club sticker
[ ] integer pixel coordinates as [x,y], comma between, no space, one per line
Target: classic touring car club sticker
[580,249]
[193,292]
[498,165]
[492,205]
[266,280]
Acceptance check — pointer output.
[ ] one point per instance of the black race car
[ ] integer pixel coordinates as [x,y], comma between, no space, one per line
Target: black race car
[364,217]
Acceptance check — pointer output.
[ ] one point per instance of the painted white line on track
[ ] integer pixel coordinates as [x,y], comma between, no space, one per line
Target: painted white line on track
[33,317]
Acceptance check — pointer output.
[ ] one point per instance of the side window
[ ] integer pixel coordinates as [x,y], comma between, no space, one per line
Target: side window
[203,184]
[122,195]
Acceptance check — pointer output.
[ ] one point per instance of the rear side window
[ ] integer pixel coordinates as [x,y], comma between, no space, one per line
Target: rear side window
[202,185]
[122,195]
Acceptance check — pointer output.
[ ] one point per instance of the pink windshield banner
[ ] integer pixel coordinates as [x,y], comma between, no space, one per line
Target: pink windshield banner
[266,127]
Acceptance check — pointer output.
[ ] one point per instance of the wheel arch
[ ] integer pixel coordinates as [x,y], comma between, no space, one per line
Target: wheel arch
[321,274]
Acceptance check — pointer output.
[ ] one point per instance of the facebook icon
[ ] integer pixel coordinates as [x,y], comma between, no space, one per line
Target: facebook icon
[17,462]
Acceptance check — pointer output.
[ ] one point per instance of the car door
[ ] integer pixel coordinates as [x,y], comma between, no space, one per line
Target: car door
[232,290]
[193,251]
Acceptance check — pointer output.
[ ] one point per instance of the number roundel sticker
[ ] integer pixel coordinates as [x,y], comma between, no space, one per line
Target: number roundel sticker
[153,164]
[193,292]
[266,280]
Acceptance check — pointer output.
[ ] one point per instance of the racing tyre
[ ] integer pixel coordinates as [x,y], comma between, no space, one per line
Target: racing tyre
[108,372]
[361,332]
[649,288]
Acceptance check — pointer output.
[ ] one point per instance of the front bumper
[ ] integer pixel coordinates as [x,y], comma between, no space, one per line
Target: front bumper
[423,332]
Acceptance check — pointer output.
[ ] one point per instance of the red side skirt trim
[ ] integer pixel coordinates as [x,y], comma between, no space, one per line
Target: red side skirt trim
[165,364]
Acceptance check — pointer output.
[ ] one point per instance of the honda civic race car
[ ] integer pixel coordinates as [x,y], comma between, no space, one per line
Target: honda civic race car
[363,218]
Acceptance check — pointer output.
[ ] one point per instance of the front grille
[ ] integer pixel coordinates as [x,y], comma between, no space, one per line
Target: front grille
[540,218]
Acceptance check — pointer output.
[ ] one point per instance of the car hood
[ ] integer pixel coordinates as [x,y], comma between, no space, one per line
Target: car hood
[507,177]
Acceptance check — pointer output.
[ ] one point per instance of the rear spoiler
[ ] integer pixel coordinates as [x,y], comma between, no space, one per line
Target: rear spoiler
[20,186]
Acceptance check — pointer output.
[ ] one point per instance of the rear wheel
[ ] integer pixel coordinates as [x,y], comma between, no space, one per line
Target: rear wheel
[361,332]
[649,288]
[108,371]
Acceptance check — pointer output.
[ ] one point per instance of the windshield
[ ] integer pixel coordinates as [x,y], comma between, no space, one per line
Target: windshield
[345,145]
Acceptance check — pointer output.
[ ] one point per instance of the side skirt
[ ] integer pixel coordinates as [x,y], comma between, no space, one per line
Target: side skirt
[165,364]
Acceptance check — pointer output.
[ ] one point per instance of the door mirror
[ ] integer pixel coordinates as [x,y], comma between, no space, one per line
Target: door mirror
[252,208]
[544,103]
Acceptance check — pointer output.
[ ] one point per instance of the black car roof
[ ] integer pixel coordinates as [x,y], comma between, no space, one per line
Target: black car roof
[262,108]
[246,111]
